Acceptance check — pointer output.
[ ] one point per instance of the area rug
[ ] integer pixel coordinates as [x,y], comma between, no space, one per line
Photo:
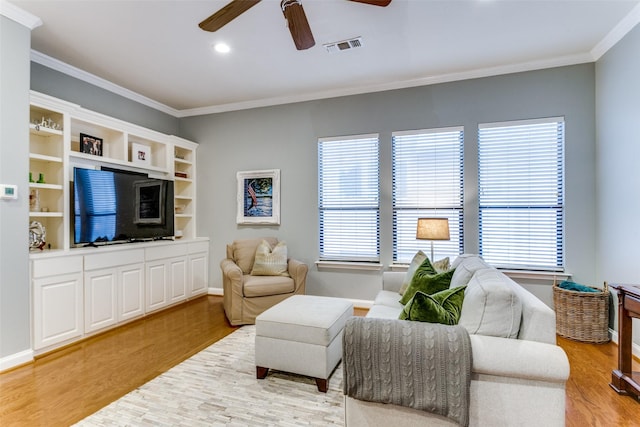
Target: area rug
[218,387]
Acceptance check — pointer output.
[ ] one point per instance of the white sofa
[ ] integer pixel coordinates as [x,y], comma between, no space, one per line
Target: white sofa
[516,381]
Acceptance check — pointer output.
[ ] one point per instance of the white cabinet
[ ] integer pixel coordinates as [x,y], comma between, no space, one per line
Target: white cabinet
[85,291]
[166,268]
[198,268]
[114,288]
[100,299]
[130,292]
[57,300]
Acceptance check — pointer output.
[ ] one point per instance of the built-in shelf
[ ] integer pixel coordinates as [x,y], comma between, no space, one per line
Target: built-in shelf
[45,186]
[56,148]
[45,214]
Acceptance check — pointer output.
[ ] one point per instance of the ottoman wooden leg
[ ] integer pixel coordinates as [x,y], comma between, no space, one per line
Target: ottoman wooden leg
[323,385]
[261,372]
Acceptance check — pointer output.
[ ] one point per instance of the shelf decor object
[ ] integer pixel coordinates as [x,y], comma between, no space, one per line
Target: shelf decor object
[37,235]
[258,197]
[90,145]
[140,154]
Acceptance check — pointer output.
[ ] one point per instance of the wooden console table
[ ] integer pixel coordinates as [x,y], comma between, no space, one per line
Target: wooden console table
[624,380]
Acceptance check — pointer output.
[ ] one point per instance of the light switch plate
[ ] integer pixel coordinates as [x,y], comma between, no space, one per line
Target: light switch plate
[8,191]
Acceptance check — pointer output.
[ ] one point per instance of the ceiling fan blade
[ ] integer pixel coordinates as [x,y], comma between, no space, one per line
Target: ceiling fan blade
[382,3]
[298,24]
[227,14]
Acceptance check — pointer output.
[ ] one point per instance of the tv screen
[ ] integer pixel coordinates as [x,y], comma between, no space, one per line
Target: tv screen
[111,205]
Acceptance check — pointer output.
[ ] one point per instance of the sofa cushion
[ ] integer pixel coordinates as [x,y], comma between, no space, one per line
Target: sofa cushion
[270,262]
[424,281]
[244,252]
[442,307]
[491,305]
[259,286]
[465,266]
[388,298]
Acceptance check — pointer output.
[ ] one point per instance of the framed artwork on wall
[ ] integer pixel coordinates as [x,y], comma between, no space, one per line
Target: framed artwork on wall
[258,197]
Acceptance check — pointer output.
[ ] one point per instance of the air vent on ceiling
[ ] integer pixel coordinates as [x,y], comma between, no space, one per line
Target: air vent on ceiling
[344,45]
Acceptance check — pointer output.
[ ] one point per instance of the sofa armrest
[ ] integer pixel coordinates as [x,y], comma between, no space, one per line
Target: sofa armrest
[514,358]
[230,270]
[392,280]
[298,272]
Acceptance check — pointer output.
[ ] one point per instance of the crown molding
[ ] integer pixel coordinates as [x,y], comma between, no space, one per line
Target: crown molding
[19,15]
[617,33]
[79,74]
[424,81]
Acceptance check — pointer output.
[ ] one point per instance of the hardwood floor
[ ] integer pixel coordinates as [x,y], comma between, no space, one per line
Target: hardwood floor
[61,388]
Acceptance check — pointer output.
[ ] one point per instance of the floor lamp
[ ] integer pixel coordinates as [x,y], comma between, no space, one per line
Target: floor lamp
[432,229]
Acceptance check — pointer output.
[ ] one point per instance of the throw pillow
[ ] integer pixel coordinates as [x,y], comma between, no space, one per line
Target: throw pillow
[270,262]
[492,306]
[441,265]
[417,260]
[442,307]
[427,280]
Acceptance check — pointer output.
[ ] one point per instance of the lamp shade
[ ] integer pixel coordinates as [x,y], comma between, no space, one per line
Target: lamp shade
[433,229]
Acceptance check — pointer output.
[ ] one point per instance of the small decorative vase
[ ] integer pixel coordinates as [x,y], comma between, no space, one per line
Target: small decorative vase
[41,179]
[31,177]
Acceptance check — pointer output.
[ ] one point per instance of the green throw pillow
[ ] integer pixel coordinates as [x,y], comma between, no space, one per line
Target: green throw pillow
[427,280]
[442,307]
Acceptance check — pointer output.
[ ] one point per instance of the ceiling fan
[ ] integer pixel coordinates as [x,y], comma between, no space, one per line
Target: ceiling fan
[293,14]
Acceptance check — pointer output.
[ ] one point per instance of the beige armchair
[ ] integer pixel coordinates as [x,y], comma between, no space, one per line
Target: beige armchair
[246,296]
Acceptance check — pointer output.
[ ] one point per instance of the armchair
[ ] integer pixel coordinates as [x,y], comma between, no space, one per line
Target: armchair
[246,296]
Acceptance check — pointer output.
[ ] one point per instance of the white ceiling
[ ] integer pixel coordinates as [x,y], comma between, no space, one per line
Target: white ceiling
[156,49]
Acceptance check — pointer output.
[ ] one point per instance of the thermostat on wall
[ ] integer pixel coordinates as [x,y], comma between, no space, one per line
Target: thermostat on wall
[8,191]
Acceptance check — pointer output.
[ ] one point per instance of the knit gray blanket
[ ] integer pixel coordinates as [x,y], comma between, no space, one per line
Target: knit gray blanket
[419,365]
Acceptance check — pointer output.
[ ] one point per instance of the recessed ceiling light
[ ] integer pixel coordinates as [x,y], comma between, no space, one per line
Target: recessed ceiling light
[222,48]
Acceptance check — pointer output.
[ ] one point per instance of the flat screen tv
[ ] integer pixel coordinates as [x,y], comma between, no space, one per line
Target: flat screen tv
[115,206]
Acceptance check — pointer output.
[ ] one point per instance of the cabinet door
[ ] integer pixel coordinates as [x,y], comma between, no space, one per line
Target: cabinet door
[178,280]
[198,273]
[100,299]
[57,309]
[156,285]
[130,292]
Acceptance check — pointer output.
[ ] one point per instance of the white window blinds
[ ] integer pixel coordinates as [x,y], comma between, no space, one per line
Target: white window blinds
[427,182]
[521,194]
[348,198]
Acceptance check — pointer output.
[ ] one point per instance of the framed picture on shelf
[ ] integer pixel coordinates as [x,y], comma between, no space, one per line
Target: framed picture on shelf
[90,144]
[140,154]
[258,197]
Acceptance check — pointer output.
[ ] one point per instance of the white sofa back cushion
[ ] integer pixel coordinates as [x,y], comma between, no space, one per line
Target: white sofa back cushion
[465,265]
[491,305]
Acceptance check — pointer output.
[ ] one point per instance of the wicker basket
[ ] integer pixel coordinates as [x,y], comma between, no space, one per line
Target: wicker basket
[582,316]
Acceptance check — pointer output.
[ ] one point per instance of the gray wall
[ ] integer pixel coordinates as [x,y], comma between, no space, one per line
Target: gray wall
[63,86]
[15,307]
[618,174]
[285,137]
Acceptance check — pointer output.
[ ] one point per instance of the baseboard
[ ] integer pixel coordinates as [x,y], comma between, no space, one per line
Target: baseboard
[635,348]
[215,291]
[15,360]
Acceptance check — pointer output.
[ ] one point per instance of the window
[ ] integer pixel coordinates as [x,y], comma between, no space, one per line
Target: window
[348,190]
[521,194]
[427,182]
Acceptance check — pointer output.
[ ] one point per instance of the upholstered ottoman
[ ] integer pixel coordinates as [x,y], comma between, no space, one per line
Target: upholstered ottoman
[302,335]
